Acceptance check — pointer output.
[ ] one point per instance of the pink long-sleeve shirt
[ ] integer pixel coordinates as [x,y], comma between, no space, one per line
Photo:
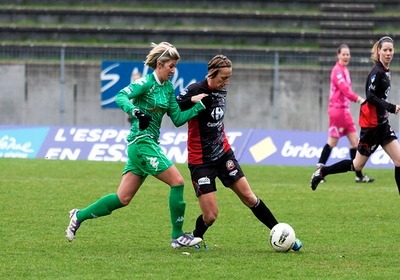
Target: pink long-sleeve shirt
[341,93]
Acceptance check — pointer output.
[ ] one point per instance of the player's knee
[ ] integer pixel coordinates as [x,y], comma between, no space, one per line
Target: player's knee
[357,166]
[250,200]
[210,217]
[396,160]
[125,199]
[178,181]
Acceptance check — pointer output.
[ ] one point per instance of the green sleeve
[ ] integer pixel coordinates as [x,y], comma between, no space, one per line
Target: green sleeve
[124,96]
[123,102]
[179,117]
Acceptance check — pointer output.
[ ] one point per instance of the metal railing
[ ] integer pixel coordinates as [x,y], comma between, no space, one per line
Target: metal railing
[288,88]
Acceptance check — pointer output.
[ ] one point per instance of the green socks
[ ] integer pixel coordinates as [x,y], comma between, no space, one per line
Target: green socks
[177,208]
[102,207]
[108,203]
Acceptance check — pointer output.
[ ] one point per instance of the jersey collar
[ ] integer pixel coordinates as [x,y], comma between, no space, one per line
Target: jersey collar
[156,78]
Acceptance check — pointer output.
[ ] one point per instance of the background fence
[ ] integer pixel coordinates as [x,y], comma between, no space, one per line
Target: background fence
[269,89]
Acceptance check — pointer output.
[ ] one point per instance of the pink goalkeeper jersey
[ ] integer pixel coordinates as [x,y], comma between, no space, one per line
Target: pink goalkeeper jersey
[341,93]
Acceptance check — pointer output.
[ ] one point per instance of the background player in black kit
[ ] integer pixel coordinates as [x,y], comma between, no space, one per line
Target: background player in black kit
[374,123]
[210,154]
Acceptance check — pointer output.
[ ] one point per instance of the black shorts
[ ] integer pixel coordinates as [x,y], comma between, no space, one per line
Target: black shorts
[371,138]
[227,169]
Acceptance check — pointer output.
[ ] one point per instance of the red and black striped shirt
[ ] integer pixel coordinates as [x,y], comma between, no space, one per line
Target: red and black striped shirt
[207,140]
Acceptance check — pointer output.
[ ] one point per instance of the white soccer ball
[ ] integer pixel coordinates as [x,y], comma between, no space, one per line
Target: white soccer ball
[282,237]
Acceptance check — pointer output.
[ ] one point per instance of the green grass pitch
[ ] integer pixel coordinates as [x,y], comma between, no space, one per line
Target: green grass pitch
[349,230]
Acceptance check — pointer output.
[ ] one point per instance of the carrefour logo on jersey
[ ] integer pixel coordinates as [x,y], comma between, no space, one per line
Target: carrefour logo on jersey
[116,75]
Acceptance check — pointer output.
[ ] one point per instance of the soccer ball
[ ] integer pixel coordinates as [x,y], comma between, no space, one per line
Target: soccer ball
[282,237]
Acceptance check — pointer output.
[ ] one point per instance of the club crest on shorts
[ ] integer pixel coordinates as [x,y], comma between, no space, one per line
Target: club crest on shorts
[230,165]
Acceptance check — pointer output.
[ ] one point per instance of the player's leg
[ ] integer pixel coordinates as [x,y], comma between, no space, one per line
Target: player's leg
[323,171]
[327,150]
[209,213]
[152,160]
[325,154]
[231,175]
[242,189]
[393,150]
[368,139]
[203,179]
[353,139]
[335,122]
[128,187]
[177,206]
[340,167]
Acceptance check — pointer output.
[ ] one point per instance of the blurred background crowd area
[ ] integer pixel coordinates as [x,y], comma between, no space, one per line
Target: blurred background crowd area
[282,53]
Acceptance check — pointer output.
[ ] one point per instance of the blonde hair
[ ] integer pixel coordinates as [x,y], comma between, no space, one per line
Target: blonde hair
[377,46]
[162,52]
[217,62]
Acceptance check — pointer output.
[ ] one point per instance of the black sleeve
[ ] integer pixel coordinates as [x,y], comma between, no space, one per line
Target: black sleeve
[184,100]
[377,87]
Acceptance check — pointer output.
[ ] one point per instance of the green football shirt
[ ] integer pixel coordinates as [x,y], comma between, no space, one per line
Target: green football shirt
[154,99]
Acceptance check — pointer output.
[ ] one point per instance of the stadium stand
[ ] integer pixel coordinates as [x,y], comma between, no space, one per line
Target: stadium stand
[283,52]
[249,25]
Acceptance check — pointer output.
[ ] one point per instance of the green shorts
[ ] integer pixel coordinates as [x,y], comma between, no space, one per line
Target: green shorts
[145,157]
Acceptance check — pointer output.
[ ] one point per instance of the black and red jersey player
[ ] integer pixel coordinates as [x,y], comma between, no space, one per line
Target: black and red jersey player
[208,141]
[376,110]
[374,118]
[210,155]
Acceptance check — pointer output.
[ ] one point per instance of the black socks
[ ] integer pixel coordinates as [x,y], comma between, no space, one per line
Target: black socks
[326,152]
[261,211]
[201,227]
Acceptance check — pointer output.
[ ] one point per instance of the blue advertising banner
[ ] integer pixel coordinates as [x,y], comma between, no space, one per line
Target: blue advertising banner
[21,142]
[115,75]
[251,146]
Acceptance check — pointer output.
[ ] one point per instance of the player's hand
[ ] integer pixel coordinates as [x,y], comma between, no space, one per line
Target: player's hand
[360,100]
[144,120]
[397,109]
[197,98]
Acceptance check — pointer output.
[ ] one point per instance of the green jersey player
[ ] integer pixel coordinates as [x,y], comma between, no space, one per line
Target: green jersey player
[147,100]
